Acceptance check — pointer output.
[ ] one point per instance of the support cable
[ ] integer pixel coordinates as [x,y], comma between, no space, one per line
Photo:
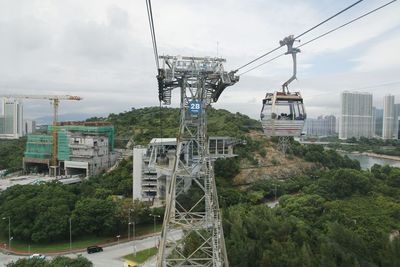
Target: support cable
[347,23]
[298,36]
[322,35]
[152,32]
[259,65]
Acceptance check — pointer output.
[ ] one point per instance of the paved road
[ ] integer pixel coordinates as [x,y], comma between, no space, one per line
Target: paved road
[110,257]
[5,259]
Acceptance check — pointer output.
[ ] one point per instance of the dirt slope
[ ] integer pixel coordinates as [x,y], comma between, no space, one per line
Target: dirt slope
[273,165]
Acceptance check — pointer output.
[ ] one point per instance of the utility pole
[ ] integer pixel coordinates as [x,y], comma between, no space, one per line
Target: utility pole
[129,225]
[200,81]
[70,234]
[9,231]
[155,216]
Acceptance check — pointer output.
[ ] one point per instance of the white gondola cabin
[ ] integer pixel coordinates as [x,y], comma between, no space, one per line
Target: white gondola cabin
[283,114]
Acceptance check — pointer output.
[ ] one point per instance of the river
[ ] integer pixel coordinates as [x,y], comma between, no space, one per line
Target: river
[367,162]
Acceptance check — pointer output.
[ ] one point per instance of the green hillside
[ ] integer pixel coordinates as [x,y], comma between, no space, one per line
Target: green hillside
[146,123]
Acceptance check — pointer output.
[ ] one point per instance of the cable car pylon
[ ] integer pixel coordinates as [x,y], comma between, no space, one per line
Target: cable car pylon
[191,196]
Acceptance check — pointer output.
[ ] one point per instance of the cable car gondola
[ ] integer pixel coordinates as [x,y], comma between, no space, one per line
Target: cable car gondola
[283,113]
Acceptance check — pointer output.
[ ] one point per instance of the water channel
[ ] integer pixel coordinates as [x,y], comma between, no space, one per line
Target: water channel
[366,162]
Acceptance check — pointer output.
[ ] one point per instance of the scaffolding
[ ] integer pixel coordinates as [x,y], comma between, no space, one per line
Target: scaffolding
[107,130]
[63,152]
[39,146]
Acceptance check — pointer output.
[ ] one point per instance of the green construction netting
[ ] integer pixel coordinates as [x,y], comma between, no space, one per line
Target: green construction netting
[39,146]
[63,145]
[108,130]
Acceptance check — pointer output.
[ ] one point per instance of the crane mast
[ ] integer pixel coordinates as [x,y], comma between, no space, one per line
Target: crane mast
[201,81]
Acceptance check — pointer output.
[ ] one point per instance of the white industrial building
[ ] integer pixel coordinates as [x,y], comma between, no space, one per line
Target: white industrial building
[356,118]
[152,166]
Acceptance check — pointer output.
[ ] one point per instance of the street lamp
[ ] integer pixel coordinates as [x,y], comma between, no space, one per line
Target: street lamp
[70,234]
[9,231]
[129,224]
[155,216]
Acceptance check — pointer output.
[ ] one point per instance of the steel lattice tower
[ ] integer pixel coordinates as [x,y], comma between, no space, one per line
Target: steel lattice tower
[191,197]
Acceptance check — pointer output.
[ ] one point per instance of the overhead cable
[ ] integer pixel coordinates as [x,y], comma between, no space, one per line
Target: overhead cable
[324,34]
[347,23]
[307,31]
[259,65]
[152,32]
[328,19]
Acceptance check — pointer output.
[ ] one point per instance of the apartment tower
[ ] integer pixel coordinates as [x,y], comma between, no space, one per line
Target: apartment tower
[356,118]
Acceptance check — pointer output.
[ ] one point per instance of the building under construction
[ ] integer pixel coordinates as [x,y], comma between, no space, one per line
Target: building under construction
[83,148]
[152,166]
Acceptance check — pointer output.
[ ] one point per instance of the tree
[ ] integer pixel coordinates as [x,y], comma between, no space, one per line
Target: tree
[63,261]
[343,183]
[60,261]
[94,216]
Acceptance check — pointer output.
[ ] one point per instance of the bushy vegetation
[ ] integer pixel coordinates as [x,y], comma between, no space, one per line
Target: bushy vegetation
[328,158]
[146,123]
[334,215]
[40,213]
[11,153]
[60,261]
[338,217]
[379,146]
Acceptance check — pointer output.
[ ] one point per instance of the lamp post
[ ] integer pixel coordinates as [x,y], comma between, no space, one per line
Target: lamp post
[155,216]
[9,231]
[129,224]
[70,234]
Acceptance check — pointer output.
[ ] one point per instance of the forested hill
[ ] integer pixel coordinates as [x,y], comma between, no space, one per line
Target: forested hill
[146,123]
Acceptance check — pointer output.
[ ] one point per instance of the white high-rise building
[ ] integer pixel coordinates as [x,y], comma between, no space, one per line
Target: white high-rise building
[355,115]
[396,121]
[389,126]
[12,111]
[29,126]
[322,126]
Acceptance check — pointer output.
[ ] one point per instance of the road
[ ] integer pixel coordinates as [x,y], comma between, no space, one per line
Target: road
[5,259]
[110,257]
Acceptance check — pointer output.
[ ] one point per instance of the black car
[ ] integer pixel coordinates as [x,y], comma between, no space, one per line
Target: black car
[94,249]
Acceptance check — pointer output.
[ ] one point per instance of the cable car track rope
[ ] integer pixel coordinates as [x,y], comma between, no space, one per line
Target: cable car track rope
[298,36]
[152,32]
[319,36]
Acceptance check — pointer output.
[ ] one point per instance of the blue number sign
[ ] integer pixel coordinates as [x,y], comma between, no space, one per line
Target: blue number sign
[194,107]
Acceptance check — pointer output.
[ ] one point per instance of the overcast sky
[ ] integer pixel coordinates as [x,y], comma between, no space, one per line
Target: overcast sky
[101,50]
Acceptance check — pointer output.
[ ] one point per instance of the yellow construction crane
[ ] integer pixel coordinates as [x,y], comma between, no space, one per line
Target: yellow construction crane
[55,100]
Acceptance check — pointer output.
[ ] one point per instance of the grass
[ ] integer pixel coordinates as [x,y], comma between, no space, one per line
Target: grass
[77,243]
[142,255]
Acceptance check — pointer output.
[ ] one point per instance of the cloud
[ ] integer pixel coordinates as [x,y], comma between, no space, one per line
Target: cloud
[101,49]
[382,55]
